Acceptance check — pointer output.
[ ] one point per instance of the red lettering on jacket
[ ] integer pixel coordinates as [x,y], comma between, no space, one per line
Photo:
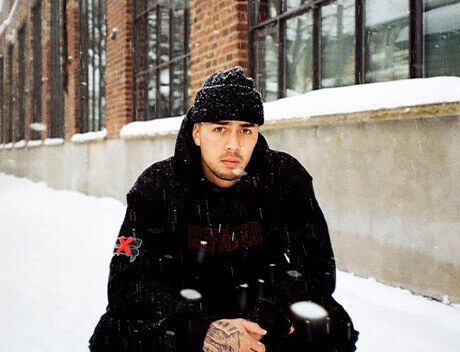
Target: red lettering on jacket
[211,239]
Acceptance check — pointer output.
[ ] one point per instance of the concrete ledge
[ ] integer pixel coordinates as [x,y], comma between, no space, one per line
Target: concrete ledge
[413,112]
[387,181]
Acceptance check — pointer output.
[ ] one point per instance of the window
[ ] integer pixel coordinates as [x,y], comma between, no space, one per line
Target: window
[299,54]
[337,44]
[57,81]
[93,63]
[387,40]
[297,46]
[441,38]
[161,57]
[36,70]
[266,62]
[21,84]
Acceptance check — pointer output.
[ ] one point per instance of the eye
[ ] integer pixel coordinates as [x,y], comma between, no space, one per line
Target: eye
[246,131]
[219,129]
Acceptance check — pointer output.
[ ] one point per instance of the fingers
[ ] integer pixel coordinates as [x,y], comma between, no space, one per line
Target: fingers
[253,328]
[257,346]
[238,334]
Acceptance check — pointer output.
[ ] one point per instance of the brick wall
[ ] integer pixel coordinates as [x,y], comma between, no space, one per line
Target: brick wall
[119,71]
[218,38]
[72,107]
[22,16]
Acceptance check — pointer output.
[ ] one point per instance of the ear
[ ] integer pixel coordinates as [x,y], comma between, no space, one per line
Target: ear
[196,134]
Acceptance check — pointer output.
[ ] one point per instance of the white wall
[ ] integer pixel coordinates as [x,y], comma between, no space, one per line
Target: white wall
[388,186]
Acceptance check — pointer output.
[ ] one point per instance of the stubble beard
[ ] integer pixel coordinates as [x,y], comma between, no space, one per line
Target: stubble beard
[230,175]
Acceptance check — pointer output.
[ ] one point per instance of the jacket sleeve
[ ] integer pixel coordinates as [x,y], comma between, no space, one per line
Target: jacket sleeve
[309,248]
[308,238]
[142,295]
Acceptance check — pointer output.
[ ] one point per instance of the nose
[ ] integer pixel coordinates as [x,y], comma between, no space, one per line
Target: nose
[233,142]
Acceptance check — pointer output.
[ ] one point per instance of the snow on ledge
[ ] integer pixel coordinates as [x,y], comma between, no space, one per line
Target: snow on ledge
[366,97]
[20,144]
[34,143]
[53,141]
[331,101]
[151,128]
[89,136]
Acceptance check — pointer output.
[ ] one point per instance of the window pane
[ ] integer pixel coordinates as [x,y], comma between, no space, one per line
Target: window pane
[164,35]
[337,44]
[387,40]
[442,39]
[266,66]
[294,4]
[163,103]
[265,10]
[299,71]
[151,98]
[152,38]
[178,88]
[178,32]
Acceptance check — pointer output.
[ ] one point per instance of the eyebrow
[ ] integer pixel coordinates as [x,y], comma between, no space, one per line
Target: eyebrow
[225,123]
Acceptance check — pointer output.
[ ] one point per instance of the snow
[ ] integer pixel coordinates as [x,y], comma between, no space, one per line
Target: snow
[366,97]
[53,141]
[34,143]
[329,101]
[152,127]
[56,248]
[89,136]
[20,144]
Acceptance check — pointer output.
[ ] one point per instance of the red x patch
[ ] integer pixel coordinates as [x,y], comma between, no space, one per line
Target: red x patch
[128,246]
[124,245]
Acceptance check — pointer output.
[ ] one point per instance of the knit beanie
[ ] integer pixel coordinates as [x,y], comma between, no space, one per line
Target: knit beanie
[228,95]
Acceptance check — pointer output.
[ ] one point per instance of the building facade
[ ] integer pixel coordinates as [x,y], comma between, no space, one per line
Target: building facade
[76,66]
[73,73]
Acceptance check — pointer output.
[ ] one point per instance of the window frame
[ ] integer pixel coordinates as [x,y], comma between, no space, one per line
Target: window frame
[92,99]
[142,43]
[416,69]
[57,75]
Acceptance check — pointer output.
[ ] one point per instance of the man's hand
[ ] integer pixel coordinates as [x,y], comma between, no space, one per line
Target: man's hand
[234,335]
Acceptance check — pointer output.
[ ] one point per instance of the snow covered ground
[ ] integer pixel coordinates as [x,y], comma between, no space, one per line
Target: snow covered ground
[55,251]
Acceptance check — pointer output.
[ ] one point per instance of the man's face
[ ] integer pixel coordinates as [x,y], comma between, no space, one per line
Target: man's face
[226,148]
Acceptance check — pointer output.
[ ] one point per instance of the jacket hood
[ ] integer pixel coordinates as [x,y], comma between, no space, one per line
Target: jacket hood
[187,154]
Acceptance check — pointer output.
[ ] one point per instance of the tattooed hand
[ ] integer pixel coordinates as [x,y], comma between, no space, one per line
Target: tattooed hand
[234,335]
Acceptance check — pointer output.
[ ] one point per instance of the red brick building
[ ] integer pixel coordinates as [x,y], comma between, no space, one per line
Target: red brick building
[75,66]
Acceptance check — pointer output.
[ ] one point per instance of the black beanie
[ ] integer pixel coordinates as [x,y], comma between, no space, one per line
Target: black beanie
[228,95]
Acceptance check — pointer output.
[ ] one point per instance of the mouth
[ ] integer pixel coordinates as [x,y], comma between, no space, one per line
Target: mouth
[230,162]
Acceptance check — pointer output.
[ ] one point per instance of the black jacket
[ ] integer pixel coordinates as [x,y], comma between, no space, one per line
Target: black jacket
[250,250]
